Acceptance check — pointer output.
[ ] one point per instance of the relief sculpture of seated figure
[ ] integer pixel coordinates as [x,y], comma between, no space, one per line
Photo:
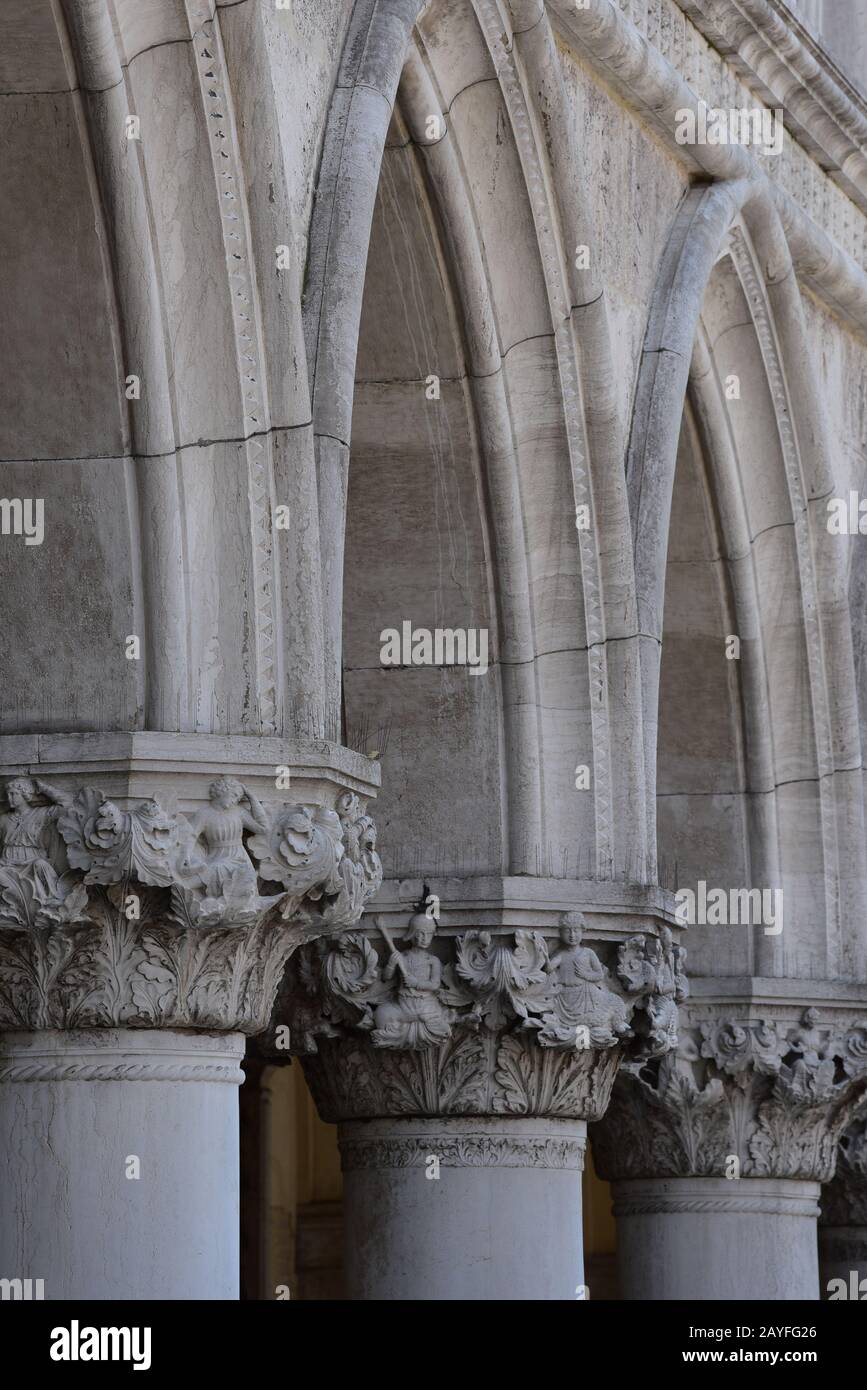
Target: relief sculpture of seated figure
[415,1015]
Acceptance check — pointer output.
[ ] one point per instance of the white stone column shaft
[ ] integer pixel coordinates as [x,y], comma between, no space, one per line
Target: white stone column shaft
[76,1108]
[696,1239]
[451,1209]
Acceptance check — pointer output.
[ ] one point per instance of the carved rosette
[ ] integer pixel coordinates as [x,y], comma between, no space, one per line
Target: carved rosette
[844,1200]
[474,1023]
[772,1095]
[142,918]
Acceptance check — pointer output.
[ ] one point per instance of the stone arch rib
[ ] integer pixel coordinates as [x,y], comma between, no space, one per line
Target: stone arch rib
[706,217]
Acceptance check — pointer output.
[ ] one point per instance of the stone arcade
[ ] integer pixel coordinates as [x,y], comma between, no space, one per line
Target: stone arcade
[428,913]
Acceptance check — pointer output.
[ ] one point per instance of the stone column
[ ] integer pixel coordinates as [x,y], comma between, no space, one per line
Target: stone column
[716,1154]
[464,1207]
[121,1150]
[843,1223]
[138,946]
[461,1067]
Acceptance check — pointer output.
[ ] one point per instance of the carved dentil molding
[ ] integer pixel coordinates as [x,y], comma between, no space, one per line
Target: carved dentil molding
[475,1023]
[144,918]
[773,1096]
[844,1200]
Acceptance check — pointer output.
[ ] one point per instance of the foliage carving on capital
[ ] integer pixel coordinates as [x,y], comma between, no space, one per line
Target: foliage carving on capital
[109,845]
[410,998]
[775,1097]
[474,1022]
[143,917]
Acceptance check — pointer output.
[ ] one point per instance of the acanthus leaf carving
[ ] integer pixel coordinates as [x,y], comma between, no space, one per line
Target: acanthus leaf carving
[533,1081]
[506,982]
[110,845]
[34,896]
[473,1023]
[146,918]
[411,999]
[772,1096]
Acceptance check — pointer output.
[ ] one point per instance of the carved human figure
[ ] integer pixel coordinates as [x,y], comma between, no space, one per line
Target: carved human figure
[219,855]
[678,965]
[28,838]
[661,1006]
[653,969]
[815,1048]
[352,824]
[581,997]
[666,965]
[812,1042]
[415,1016]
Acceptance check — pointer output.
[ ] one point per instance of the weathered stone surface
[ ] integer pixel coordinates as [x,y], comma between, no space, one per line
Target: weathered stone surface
[329,317]
[143,918]
[740,1098]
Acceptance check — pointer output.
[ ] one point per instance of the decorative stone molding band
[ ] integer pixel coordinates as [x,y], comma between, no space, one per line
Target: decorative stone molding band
[649,1202]
[761,35]
[470,1151]
[678,1206]
[463,1142]
[606,38]
[122,1054]
[120,1071]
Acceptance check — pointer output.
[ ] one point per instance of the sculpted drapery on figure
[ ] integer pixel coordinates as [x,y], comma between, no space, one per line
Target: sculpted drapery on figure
[217,831]
[469,1022]
[656,967]
[416,1015]
[412,999]
[584,1008]
[26,836]
[32,879]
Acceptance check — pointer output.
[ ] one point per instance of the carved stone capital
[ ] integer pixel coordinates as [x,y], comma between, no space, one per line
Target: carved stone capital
[740,1097]
[475,1022]
[138,917]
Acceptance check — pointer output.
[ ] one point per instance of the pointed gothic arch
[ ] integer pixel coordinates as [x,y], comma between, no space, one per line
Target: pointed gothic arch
[733,231]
